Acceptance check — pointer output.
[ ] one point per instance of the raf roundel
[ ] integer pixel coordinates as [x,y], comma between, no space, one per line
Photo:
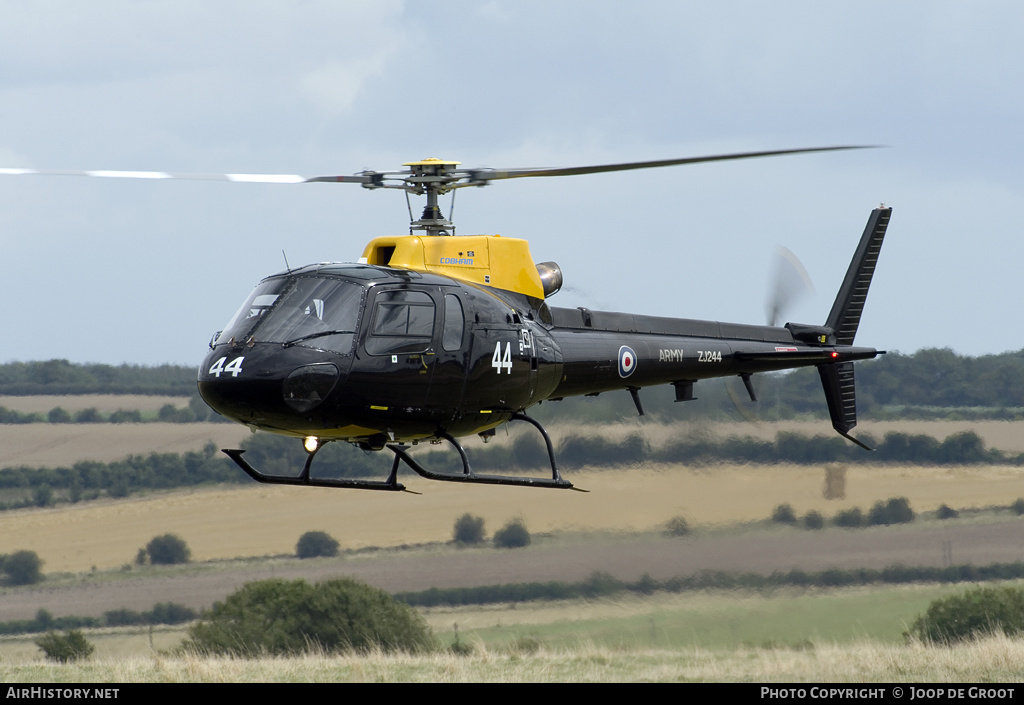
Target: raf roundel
[627,361]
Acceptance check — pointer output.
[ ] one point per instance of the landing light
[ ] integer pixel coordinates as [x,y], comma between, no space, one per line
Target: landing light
[310,443]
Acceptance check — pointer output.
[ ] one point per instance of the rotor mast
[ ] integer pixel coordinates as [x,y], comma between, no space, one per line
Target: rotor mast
[432,177]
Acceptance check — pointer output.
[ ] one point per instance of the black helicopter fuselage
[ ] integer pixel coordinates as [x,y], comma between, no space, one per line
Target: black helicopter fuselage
[373,355]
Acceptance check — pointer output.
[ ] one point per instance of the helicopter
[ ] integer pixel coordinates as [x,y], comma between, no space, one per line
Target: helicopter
[432,337]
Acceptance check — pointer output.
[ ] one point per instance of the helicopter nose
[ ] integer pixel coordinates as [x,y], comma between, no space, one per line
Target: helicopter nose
[272,387]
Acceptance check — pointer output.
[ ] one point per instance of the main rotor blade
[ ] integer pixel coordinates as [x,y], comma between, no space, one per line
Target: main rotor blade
[492,174]
[441,181]
[239,178]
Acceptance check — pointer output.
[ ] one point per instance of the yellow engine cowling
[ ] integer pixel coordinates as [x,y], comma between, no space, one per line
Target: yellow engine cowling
[491,260]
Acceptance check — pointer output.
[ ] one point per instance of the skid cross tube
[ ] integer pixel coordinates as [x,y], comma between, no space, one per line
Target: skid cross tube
[467,475]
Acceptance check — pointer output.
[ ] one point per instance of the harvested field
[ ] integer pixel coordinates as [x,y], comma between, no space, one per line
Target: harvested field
[54,445]
[57,445]
[1005,435]
[105,403]
[259,520]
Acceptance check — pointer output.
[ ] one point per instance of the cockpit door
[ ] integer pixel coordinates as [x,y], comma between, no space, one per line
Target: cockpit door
[400,344]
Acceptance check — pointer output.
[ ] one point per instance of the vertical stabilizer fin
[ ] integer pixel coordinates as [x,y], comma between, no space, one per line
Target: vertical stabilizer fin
[838,383]
[849,304]
[837,379]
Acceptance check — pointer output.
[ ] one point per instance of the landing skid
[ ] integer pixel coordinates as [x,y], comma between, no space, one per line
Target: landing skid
[402,455]
[304,479]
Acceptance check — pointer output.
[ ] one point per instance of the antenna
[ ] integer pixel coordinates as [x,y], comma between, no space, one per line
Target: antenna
[286,265]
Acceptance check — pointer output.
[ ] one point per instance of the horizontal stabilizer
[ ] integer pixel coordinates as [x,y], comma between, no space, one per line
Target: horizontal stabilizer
[798,355]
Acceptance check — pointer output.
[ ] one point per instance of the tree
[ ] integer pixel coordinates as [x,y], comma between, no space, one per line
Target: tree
[316,544]
[125,416]
[23,568]
[291,617]
[974,613]
[677,526]
[895,511]
[850,518]
[58,415]
[168,549]
[468,529]
[70,646]
[90,415]
[813,520]
[512,535]
[42,495]
[784,514]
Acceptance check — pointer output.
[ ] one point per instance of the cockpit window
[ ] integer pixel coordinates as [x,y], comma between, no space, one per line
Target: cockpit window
[260,301]
[309,311]
[403,321]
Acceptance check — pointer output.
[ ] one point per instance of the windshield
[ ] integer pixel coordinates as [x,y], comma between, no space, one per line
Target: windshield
[318,313]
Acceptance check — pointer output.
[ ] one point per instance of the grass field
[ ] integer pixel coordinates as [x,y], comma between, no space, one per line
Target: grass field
[825,636]
[989,661]
[717,619]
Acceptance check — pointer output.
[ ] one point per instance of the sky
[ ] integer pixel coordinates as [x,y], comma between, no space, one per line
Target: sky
[144,272]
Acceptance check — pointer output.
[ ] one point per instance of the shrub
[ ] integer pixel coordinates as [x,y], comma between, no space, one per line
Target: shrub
[512,535]
[70,646]
[977,612]
[849,518]
[468,529]
[1018,506]
[169,549]
[42,495]
[23,568]
[169,613]
[90,415]
[946,512]
[316,544]
[895,511]
[125,416]
[122,618]
[677,526]
[282,617]
[784,514]
[162,613]
[461,648]
[58,415]
[813,520]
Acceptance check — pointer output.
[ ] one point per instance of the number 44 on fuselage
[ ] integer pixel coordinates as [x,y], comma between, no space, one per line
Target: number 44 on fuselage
[433,337]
